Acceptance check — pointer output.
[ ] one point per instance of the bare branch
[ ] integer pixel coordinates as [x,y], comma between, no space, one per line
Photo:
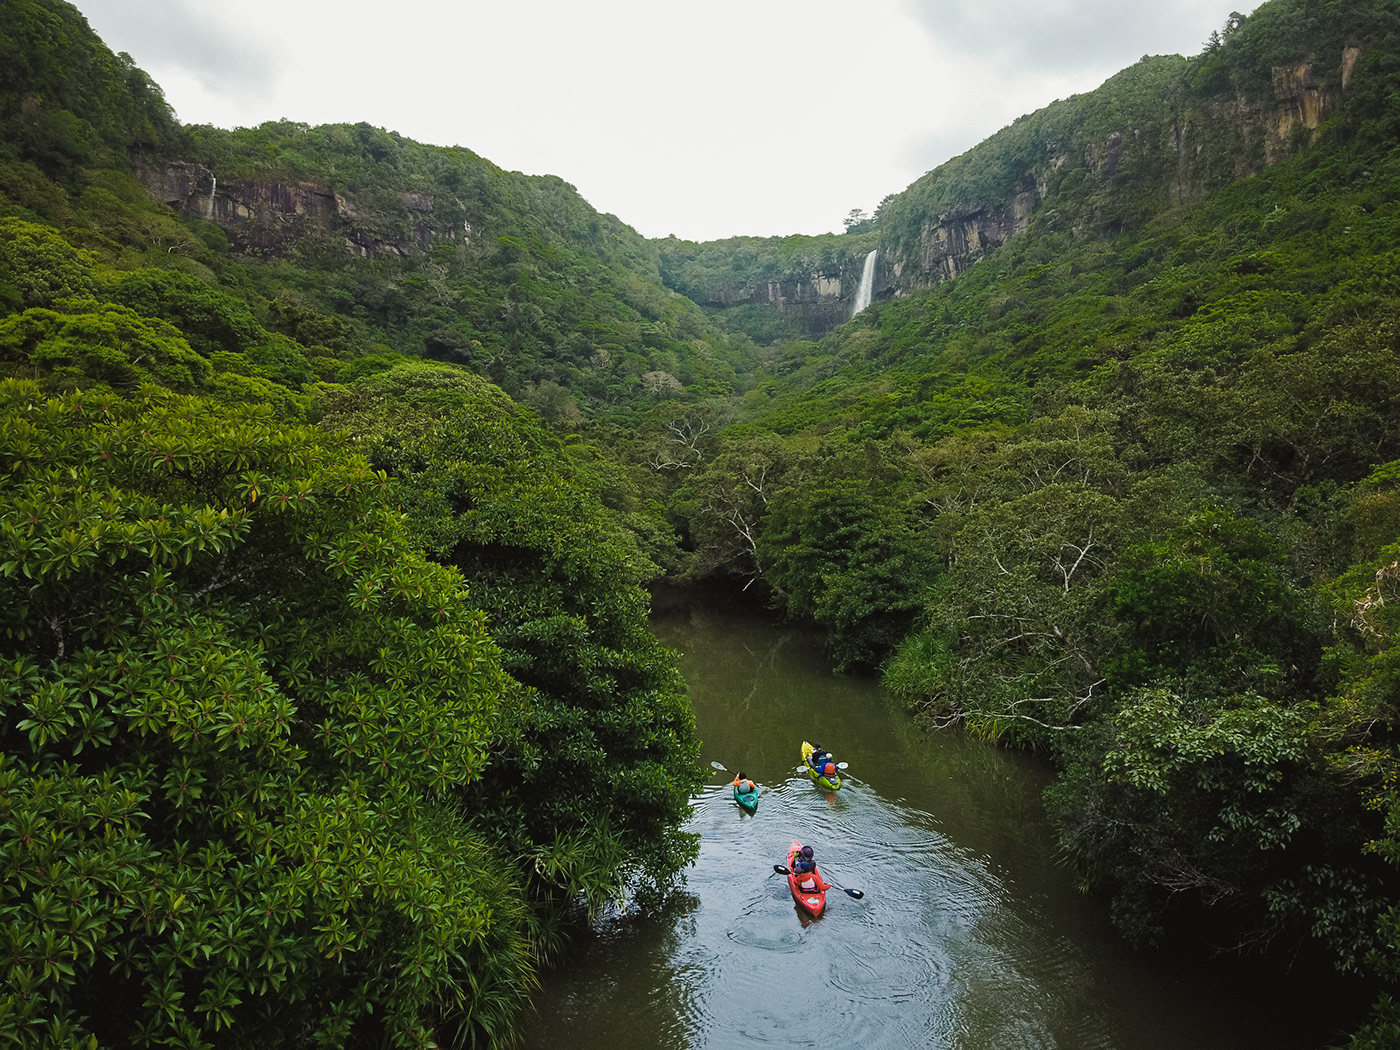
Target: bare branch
[56,627]
[1083,552]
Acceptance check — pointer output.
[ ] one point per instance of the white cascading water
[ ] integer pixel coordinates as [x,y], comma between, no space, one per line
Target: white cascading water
[867,282]
[209,208]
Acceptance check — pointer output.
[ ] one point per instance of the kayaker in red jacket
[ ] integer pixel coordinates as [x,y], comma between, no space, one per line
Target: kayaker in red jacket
[804,866]
[822,763]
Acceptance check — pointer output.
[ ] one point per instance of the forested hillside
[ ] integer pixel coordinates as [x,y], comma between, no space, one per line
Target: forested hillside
[312,733]
[1124,493]
[1168,131]
[438,252]
[352,240]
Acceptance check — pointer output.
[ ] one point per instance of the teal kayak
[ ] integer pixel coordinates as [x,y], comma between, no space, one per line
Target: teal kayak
[748,800]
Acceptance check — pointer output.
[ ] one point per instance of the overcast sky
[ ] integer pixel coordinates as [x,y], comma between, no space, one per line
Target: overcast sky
[755,117]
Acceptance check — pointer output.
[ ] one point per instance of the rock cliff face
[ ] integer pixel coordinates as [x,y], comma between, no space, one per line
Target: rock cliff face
[811,303]
[773,288]
[1302,102]
[955,240]
[266,217]
[1200,149]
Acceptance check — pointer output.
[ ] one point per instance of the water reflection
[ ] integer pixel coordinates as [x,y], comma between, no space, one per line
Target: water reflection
[970,935]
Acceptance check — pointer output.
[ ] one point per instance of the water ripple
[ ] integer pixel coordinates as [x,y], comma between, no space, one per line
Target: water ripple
[967,937]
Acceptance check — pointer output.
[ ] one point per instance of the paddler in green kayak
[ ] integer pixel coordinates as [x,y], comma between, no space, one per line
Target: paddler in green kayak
[823,765]
[746,793]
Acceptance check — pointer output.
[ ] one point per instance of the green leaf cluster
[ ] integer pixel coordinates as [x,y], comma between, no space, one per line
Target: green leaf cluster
[593,764]
[238,713]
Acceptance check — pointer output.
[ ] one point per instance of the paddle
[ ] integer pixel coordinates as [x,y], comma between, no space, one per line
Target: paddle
[855,894]
[844,767]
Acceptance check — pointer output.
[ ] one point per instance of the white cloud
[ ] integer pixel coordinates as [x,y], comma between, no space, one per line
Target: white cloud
[200,43]
[1071,34]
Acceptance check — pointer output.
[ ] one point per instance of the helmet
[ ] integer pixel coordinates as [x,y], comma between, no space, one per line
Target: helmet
[806,852]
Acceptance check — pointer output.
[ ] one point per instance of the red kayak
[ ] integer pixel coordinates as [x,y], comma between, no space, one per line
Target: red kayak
[809,891]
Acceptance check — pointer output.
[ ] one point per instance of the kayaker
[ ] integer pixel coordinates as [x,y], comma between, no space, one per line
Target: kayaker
[804,866]
[803,863]
[743,784]
[819,757]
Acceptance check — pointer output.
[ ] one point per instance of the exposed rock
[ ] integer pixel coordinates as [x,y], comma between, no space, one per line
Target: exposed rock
[268,216]
[955,240]
[178,184]
[1104,161]
[810,303]
[1301,103]
[1349,57]
[790,291]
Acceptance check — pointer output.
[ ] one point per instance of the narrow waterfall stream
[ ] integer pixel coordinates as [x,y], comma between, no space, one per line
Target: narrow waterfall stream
[867,283]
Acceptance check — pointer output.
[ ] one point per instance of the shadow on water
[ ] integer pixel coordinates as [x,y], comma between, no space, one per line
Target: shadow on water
[970,934]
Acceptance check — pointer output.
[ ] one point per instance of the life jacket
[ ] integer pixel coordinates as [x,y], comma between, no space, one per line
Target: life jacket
[830,769]
[808,884]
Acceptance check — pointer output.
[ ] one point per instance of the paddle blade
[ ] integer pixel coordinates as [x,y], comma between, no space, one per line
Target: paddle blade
[857,894]
[843,765]
[779,869]
[716,765]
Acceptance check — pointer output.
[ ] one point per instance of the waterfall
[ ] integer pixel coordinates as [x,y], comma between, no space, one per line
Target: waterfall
[867,281]
[209,208]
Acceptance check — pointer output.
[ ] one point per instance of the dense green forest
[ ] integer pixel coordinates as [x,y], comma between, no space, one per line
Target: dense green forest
[329,705]
[561,307]
[1123,492]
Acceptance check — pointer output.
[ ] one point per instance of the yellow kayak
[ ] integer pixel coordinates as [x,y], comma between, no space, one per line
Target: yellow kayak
[831,781]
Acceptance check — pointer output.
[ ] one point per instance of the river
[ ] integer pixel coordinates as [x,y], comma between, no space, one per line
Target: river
[971,934]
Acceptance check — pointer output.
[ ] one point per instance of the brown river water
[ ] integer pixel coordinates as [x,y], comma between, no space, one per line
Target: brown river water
[971,934]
